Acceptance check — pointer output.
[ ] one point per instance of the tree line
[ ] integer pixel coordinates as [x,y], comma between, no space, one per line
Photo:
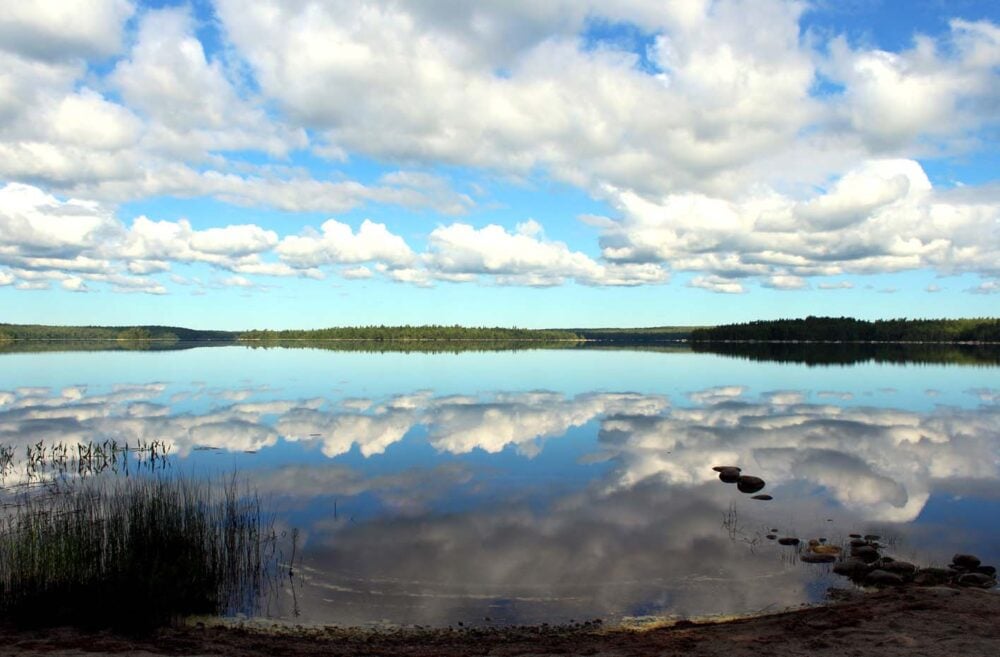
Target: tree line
[382,333]
[848,329]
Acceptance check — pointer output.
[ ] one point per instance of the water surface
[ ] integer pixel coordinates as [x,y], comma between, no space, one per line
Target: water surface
[547,485]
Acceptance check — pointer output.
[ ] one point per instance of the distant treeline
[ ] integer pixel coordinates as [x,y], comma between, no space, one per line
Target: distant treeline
[410,333]
[164,334]
[847,329]
[636,335]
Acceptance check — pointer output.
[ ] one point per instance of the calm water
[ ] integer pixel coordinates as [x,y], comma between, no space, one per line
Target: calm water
[547,485]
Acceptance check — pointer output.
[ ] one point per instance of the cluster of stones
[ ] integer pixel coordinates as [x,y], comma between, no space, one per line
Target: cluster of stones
[867,566]
[730,474]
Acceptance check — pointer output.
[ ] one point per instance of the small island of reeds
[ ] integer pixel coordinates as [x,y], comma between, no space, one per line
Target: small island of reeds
[133,553]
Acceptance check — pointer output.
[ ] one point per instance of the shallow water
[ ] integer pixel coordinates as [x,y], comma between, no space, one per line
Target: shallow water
[548,485]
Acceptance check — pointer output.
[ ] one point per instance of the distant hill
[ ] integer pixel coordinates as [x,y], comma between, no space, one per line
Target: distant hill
[847,329]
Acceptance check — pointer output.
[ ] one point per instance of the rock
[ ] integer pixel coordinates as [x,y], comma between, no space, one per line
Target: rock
[979,580]
[729,475]
[858,543]
[751,484]
[872,537]
[987,570]
[879,577]
[812,557]
[853,568]
[771,537]
[726,468]
[904,569]
[854,535]
[788,540]
[932,576]
[763,497]
[866,553]
[820,548]
[967,561]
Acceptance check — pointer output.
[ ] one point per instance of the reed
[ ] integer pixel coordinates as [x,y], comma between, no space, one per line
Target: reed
[134,553]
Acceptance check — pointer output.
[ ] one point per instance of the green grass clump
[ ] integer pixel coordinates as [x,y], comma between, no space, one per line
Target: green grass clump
[133,553]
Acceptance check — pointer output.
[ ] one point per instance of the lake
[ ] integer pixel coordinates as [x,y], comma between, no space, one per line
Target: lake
[546,485]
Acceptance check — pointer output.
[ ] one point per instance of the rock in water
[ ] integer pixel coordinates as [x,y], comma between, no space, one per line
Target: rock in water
[852,568]
[724,468]
[764,497]
[751,484]
[788,540]
[882,578]
[866,553]
[966,561]
[729,475]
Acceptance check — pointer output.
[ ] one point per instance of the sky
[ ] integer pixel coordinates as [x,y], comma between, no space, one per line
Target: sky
[307,163]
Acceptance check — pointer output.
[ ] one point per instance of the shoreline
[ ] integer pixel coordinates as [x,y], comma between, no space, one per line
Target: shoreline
[935,621]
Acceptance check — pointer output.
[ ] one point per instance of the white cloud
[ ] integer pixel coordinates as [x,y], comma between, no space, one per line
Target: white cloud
[337,243]
[59,29]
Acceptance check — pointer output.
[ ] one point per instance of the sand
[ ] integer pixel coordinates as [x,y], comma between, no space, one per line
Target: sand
[912,621]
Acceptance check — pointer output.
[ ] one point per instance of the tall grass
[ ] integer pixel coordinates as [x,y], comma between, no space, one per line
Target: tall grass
[134,553]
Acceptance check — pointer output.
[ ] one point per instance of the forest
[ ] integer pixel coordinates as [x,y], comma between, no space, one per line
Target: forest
[167,334]
[410,333]
[848,329]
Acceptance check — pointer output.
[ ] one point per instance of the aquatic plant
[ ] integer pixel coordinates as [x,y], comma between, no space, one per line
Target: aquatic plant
[134,553]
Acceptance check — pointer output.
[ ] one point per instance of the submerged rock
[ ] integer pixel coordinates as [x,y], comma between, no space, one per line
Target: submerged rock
[771,537]
[751,484]
[789,540]
[813,557]
[763,497]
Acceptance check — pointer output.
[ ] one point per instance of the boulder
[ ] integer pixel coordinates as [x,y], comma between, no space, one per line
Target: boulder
[978,580]
[865,553]
[852,568]
[987,570]
[729,475]
[879,577]
[966,561]
[904,569]
[751,484]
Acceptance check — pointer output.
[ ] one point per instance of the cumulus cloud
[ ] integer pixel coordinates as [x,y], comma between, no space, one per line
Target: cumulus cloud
[710,141]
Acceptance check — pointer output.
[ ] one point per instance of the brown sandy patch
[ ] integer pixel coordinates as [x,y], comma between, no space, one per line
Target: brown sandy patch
[909,622]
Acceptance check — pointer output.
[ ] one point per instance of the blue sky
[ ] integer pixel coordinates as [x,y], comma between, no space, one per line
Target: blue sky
[305,164]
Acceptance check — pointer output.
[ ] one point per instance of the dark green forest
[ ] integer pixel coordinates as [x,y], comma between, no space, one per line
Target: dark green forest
[847,329]
[409,333]
[164,334]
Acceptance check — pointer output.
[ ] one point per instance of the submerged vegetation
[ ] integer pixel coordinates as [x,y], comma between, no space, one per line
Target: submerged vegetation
[133,553]
[848,329]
